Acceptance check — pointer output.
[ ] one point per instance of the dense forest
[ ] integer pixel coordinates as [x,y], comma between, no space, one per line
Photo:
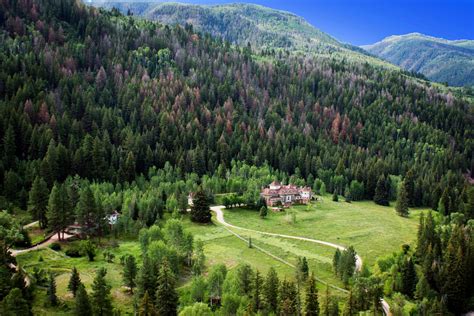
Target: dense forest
[103,112]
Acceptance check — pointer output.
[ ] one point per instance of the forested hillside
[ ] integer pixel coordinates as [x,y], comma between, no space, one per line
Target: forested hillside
[438,59]
[102,112]
[238,23]
[106,97]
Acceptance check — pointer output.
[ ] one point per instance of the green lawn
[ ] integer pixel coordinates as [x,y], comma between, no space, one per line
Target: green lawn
[372,229]
[61,265]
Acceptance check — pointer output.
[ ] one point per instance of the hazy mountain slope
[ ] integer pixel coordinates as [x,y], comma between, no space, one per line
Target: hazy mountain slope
[438,59]
[240,24]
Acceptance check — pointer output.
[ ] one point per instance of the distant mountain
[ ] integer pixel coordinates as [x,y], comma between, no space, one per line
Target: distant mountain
[438,59]
[240,23]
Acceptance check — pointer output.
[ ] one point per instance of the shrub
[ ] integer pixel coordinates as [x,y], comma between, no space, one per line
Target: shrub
[88,248]
[55,246]
[73,253]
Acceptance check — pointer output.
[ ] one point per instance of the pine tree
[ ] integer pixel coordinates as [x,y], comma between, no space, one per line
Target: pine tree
[9,148]
[51,291]
[288,298]
[244,279]
[146,279]
[82,305]
[146,306]
[381,192]
[311,302]
[38,201]
[54,210]
[130,272]
[409,277]
[270,290]
[86,209]
[14,304]
[327,302]
[101,300]
[409,183]
[302,269]
[336,261]
[99,164]
[74,281]
[444,205]
[349,308]
[263,212]
[335,197]
[200,211]
[402,201]
[129,167]
[166,296]
[257,288]
[454,276]
[59,212]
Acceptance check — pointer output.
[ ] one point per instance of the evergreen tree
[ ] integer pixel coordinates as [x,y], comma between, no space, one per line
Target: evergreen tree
[335,197]
[59,212]
[327,302]
[244,278]
[336,261]
[38,201]
[9,148]
[130,272]
[147,279]
[263,212]
[51,291]
[166,296]
[402,201]
[200,211]
[288,299]
[409,184]
[14,304]
[54,210]
[146,306]
[349,308]
[270,290]
[101,300]
[82,305]
[311,302]
[454,276]
[86,209]
[74,281]
[444,205]
[381,192]
[409,277]
[302,269]
[257,289]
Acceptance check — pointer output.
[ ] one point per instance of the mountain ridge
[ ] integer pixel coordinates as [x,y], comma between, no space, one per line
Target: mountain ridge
[439,59]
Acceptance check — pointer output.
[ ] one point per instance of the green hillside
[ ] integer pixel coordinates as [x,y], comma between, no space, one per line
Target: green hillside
[243,23]
[438,59]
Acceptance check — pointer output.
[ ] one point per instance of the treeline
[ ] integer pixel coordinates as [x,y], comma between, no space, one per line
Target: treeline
[437,275]
[93,93]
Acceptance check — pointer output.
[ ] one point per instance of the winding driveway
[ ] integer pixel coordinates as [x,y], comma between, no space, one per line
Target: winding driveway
[218,209]
[42,244]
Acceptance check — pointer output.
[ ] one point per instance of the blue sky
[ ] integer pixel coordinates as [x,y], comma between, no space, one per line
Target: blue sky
[368,21]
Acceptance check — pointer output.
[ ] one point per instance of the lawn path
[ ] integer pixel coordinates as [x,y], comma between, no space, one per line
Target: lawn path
[218,209]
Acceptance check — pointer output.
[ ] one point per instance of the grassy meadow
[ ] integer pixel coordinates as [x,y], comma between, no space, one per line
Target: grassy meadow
[373,230]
